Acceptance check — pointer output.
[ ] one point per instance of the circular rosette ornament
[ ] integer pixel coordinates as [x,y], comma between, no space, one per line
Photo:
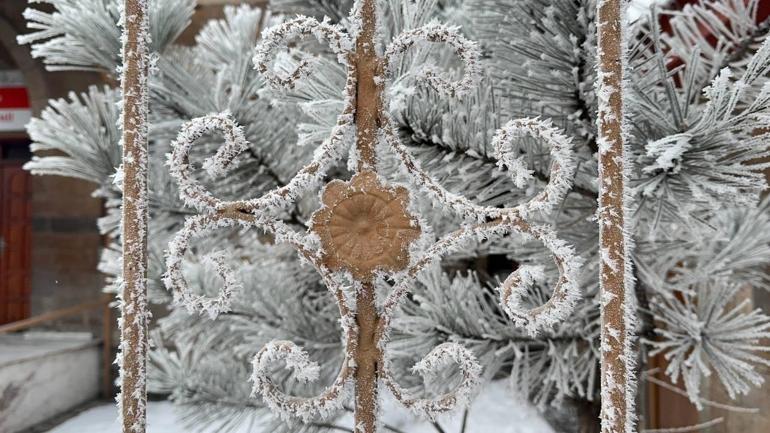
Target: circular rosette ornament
[365,226]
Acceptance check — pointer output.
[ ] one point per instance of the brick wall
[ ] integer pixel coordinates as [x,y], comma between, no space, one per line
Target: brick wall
[65,241]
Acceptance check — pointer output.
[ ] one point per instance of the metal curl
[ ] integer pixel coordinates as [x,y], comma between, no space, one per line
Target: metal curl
[199,225]
[331,399]
[190,190]
[562,169]
[277,37]
[325,404]
[333,396]
[558,306]
[564,294]
[174,279]
[560,179]
[195,195]
[437,359]
[467,50]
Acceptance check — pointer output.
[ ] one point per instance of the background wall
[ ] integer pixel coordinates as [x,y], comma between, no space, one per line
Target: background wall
[65,241]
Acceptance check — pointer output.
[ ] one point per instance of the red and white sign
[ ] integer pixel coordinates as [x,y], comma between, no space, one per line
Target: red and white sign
[14,102]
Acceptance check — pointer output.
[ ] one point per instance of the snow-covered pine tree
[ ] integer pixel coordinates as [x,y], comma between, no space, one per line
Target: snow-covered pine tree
[696,109]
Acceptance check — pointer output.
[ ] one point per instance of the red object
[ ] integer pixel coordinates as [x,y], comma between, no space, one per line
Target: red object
[15,241]
[14,97]
[763,12]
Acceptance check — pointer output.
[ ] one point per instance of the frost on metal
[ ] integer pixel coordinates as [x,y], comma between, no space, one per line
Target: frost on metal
[276,38]
[324,405]
[617,298]
[468,51]
[134,318]
[439,359]
[367,320]
[177,248]
[565,293]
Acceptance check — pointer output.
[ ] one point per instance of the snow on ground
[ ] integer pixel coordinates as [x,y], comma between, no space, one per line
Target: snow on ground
[494,411]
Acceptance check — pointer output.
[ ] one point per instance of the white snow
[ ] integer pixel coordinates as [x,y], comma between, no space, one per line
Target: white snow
[104,419]
[495,410]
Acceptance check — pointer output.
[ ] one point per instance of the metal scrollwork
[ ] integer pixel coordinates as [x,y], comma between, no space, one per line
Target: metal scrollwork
[376,216]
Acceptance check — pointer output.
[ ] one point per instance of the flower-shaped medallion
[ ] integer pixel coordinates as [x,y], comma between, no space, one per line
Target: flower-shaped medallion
[365,226]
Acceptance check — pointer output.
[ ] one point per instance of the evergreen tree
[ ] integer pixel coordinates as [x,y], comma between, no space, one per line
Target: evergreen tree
[698,112]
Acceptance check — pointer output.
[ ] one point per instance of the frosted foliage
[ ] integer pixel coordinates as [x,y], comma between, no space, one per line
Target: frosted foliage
[231,212]
[335,9]
[546,69]
[733,23]
[711,329]
[90,149]
[83,34]
[695,141]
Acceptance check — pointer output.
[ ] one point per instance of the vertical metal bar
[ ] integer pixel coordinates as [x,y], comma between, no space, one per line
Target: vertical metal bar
[368,106]
[368,93]
[617,385]
[133,321]
[367,359]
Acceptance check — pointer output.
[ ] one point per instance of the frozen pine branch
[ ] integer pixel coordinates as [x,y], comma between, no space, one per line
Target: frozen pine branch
[708,329]
[698,140]
[544,69]
[90,143]
[732,23]
[83,34]
[334,9]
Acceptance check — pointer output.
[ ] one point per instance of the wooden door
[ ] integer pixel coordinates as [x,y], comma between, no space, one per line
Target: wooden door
[15,234]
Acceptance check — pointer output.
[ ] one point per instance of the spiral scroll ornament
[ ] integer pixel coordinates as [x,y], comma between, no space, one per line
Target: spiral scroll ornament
[366,226]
